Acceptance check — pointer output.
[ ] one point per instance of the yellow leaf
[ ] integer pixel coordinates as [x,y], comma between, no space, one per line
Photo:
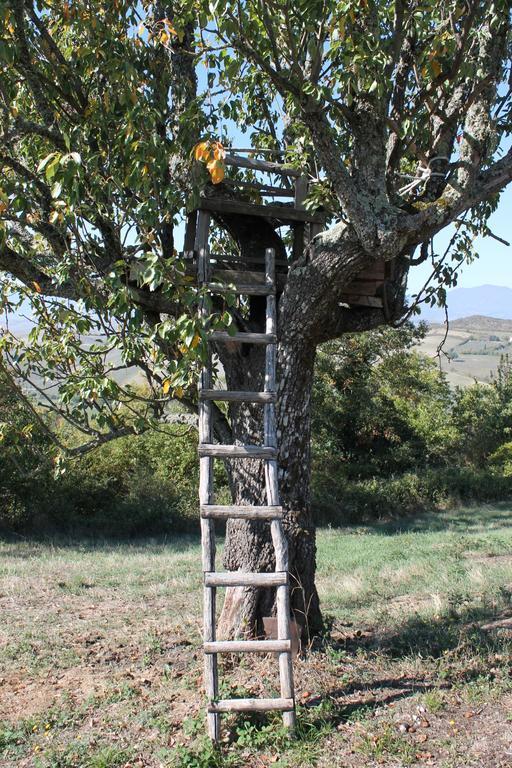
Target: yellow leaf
[142,28]
[216,168]
[195,341]
[166,386]
[219,152]
[37,286]
[54,215]
[164,37]
[202,151]
[178,392]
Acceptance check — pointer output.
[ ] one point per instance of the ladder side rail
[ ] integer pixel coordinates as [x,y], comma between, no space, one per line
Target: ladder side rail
[206,494]
[271,478]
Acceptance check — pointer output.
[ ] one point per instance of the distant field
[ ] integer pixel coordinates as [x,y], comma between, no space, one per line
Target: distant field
[472,348]
[101,667]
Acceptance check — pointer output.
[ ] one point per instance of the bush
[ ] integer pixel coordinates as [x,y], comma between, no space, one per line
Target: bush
[347,501]
[501,460]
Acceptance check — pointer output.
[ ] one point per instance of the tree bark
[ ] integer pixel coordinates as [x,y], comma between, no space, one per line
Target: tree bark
[248,544]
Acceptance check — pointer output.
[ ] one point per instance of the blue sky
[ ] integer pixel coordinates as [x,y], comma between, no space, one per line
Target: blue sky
[494,266]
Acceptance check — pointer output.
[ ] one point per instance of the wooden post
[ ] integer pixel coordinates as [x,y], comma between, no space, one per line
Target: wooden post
[271,477]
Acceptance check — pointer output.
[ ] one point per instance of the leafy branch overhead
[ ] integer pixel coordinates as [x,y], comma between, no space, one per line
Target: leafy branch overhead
[399,112]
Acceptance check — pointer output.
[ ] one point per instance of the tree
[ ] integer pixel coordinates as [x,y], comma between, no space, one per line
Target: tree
[397,109]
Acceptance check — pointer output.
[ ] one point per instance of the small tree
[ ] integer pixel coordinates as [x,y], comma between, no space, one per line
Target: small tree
[397,109]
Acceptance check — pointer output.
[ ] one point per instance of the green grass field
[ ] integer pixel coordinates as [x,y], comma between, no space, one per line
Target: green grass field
[100,660]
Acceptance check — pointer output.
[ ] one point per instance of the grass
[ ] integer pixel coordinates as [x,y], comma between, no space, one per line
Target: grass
[100,660]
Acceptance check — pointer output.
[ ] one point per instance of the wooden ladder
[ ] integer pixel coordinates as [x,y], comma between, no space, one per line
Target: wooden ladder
[271,512]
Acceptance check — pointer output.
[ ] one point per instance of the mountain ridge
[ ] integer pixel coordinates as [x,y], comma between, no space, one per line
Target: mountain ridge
[491,301]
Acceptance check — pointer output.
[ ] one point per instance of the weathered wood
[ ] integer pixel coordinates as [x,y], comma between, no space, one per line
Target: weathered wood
[251,705]
[231,396]
[362,301]
[248,646]
[242,337]
[246,512]
[245,579]
[301,191]
[283,213]
[232,275]
[248,289]
[261,165]
[190,233]
[206,491]
[243,259]
[272,485]
[254,151]
[226,276]
[263,189]
[237,451]
[361,287]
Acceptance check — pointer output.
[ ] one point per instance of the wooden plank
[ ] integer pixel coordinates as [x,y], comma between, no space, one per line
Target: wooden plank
[231,396]
[236,276]
[248,646]
[249,289]
[261,165]
[251,705]
[272,485]
[263,189]
[245,579]
[301,191]
[280,212]
[241,512]
[363,301]
[363,287]
[236,451]
[242,337]
[243,259]
[255,151]
[211,675]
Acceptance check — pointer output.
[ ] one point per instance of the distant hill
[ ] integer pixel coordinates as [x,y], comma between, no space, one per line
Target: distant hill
[473,348]
[483,300]
[477,322]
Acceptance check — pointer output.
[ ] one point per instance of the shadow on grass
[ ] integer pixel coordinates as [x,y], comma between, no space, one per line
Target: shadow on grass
[455,650]
[462,519]
[24,547]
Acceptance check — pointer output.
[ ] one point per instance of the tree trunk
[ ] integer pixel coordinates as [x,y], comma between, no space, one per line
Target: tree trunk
[248,544]
[309,313]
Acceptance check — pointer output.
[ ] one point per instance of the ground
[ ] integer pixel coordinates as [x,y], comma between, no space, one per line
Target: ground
[471,348]
[100,660]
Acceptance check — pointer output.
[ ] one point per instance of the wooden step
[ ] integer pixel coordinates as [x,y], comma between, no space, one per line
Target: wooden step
[245,579]
[242,337]
[231,396]
[226,512]
[250,289]
[237,451]
[248,646]
[251,705]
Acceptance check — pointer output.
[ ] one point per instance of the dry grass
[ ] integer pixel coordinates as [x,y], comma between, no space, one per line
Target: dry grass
[100,662]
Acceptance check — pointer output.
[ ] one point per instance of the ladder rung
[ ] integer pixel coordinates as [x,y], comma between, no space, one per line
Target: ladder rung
[237,451]
[251,705]
[243,337]
[225,512]
[248,646]
[250,289]
[234,396]
[245,579]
